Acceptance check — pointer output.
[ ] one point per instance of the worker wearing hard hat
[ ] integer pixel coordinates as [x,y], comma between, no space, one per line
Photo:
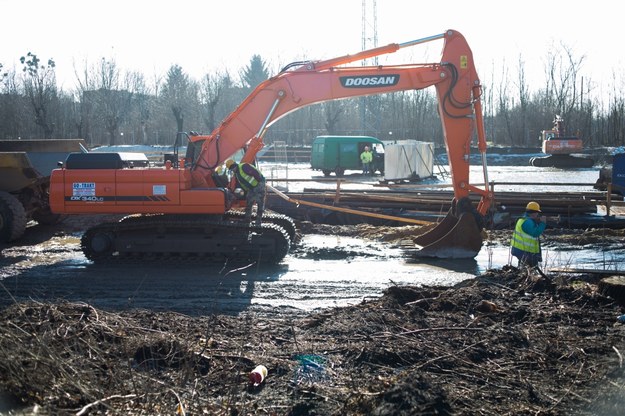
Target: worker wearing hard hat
[252,181]
[525,243]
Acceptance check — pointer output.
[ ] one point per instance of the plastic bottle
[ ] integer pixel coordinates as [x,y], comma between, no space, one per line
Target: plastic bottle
[258,375]
[621,319]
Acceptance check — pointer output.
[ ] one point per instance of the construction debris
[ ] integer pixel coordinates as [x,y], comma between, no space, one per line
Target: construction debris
[504,343]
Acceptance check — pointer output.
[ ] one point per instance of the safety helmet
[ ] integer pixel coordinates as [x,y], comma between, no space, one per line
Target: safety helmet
[533,206]
[229,163]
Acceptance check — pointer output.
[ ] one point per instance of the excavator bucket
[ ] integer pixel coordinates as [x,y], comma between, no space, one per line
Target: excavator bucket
[456,237]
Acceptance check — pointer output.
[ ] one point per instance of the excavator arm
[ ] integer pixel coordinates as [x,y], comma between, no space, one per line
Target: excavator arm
[301,84]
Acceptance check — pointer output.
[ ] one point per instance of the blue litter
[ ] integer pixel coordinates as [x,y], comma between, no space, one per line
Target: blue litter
[312,368]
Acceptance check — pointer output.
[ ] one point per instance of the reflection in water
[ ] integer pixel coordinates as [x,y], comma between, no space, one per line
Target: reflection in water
[324,272]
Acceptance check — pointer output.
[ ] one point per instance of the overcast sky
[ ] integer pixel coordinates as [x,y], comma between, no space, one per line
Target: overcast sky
[206,36]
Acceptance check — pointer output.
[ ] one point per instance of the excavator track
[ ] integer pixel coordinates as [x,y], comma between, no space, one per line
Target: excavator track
[185,239]
[280,220]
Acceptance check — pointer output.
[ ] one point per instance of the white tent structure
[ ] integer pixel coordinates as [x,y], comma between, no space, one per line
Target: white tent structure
[408,159]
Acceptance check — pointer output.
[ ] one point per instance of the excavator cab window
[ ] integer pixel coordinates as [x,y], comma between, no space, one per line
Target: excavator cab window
[192,153]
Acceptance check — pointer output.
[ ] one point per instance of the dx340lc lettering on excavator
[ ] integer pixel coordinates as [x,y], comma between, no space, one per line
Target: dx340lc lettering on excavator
[182,210]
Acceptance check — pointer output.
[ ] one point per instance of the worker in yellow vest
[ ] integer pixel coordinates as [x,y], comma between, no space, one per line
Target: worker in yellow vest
[525,243]
[366,157]
[252,181]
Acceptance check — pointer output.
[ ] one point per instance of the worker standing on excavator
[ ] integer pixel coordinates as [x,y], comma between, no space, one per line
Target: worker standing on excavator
[525,243]
[252,181]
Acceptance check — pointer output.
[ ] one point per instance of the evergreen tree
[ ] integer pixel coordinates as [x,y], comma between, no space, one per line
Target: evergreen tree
[180,94]
[255,73]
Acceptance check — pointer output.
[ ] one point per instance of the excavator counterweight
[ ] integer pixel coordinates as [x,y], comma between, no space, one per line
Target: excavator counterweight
[184,209]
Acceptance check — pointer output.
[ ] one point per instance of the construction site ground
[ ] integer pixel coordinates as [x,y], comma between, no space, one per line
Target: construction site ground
[504,342]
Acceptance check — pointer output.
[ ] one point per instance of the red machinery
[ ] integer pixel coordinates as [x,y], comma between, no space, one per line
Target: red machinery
[562,150]
[182,210]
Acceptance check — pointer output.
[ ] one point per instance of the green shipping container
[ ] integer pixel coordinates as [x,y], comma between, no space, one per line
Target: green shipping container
[340,153]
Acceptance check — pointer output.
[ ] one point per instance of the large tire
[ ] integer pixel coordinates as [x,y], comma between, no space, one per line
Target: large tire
[12,218]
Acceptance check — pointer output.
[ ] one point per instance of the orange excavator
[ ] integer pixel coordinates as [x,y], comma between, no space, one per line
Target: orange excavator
[563,151]
[184,210]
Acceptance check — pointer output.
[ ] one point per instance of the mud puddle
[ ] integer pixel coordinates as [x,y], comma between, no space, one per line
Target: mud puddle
[324,270]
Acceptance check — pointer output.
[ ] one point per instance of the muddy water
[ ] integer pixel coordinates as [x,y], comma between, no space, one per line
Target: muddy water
[549,179]
[324,271]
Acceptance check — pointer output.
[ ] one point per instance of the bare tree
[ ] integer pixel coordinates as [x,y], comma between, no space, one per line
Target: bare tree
[107,101]
[3,74]
[504,108]
[524,101]
[212,90]
[113,97]
[614,121]
[14,119]
[142,103]
[562,71]
[40,87]
[333,111]
[84,100]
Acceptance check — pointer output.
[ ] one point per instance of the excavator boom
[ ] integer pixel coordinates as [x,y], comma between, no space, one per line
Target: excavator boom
[454,77]
[103,184]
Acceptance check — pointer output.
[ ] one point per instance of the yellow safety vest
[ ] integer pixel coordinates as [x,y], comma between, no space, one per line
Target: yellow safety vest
[246,181]
[524,241]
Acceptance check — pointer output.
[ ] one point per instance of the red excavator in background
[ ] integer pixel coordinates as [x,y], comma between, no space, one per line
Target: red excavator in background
[563,150]
[183,210]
